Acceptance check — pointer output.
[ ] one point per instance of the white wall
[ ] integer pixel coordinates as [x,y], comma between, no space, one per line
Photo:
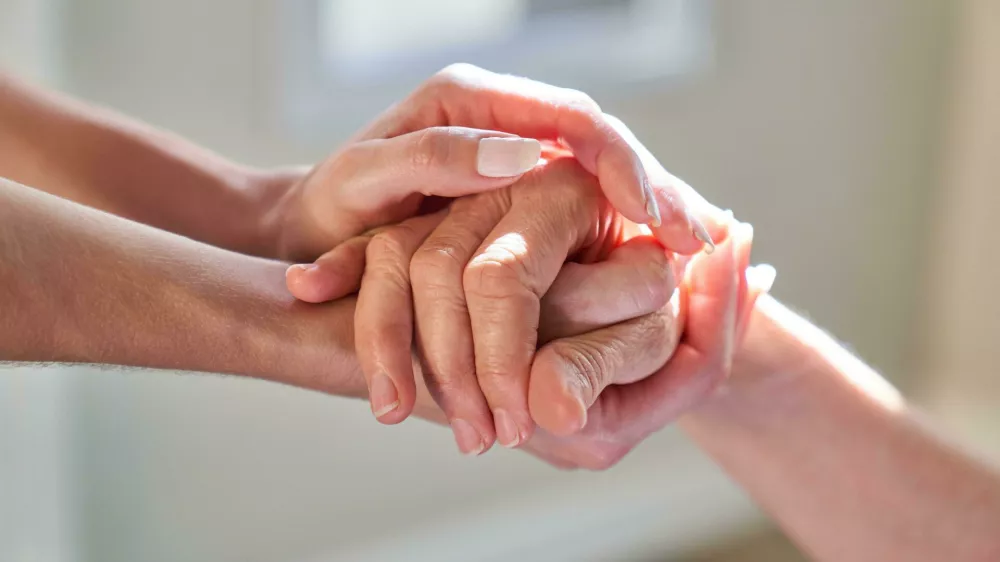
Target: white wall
[37,512]
[30,42]
[962,318]
[819,125]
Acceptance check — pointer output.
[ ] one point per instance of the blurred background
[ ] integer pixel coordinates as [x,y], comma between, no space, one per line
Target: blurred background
[860,137]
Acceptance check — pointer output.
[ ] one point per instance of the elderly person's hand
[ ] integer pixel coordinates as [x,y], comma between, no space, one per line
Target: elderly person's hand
[481,277]
[603,327]
[458,134]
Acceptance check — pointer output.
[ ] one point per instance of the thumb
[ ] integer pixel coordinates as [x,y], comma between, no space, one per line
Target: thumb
[568,375]
[333,275]
[438,161]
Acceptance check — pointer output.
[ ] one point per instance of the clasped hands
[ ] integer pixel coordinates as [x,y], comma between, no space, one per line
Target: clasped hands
[510,287]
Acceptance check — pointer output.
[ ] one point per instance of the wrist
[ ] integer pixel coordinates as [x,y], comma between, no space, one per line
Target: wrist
[778,371]
[779,347]
[291,342]
[276,200]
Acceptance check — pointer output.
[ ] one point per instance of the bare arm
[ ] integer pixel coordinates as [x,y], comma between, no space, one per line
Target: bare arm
[421,146]
[832,452]
[80,285]
[103,160]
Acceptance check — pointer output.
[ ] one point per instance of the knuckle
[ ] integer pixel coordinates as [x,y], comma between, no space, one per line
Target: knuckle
[566,188]
[352,156]
[436,262]
[451,374]
[494,373]
[493,203]
[493,276]
[578,101]
[451,77]
[431,149]
[388,245]
[380,330]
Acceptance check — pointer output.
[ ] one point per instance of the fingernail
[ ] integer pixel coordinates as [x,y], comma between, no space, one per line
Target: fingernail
[762,277]
[504,157]
[652,207]
[303,267]
[508,434]
[469,441]
[383,395]
[701,233]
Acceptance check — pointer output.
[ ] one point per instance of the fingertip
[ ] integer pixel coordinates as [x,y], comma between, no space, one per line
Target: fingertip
[392,399]
[561,414]
[679,231]
[760,278]
[396,415]
[303,284]
[712,273]
[556,406]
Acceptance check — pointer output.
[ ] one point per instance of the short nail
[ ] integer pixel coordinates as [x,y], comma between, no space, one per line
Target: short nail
[469,441]
[652,207]
[303,267]
[383,395]
[507,432]
[504,157]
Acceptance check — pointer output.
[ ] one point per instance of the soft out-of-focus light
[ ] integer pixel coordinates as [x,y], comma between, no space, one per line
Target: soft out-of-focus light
[376,29]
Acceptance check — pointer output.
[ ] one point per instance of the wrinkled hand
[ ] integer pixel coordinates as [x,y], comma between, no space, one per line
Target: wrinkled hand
[717,297]
[478,273]
[484,276]
[456,135]
[593,354]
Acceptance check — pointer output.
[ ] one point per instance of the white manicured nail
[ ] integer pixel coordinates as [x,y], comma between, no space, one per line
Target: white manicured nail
[504,157]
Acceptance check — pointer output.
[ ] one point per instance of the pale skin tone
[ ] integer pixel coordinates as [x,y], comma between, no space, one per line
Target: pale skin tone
[822,443]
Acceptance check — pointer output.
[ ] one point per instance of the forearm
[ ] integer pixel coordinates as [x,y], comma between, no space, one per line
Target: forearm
[81,285]
[830,450]
[106,161]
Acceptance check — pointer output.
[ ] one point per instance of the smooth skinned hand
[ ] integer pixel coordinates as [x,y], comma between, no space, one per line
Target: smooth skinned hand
[458,134]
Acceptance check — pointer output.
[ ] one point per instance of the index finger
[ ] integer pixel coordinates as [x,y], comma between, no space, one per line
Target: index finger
[470,96]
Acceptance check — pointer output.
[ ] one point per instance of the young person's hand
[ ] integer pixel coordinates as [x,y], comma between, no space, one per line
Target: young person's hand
[458,134]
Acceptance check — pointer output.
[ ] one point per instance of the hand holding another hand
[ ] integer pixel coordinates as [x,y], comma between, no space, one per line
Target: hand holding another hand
[490,279]
[464,131]
[603,320]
